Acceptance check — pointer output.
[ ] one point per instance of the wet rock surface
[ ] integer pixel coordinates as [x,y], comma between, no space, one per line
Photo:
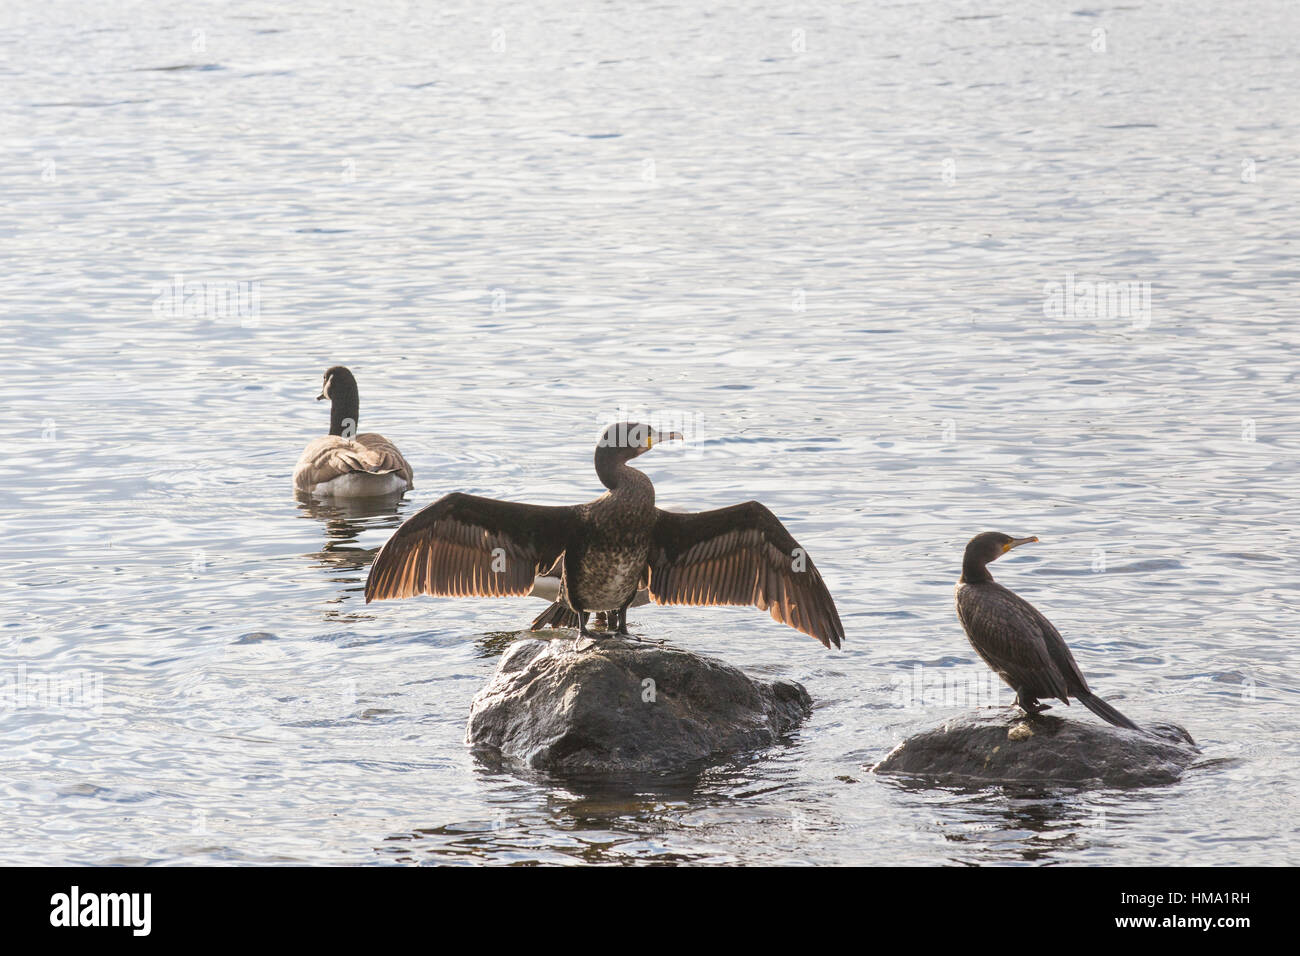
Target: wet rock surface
[620,705]
[1002,746]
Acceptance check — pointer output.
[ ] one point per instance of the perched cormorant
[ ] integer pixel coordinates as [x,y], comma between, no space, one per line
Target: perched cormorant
[547,587]
[344,464]
[463,545]
[1015,639]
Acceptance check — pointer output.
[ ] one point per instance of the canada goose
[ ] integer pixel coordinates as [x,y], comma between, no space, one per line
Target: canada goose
[611,547]
[344,464]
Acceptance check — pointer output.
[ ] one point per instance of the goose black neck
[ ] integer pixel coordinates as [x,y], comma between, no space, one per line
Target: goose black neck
[344,411]
[974,570]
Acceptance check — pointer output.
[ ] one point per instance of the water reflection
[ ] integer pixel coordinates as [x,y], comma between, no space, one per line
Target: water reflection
[581,795]
[494,643]
[619,818]
[345,519]
[846,298]
[1035,827]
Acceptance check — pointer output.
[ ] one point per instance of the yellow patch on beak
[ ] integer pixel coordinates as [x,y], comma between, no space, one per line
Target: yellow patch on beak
[1017,542]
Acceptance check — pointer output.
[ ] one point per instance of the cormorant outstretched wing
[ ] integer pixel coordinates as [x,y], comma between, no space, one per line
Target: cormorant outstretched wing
[463,545]
[741,555]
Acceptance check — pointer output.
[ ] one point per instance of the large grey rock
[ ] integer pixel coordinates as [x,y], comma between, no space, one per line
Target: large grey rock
[619,705]
[1001,746]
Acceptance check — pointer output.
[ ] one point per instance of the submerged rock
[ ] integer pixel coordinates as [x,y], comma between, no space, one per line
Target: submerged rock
[1002,746]
[618,705]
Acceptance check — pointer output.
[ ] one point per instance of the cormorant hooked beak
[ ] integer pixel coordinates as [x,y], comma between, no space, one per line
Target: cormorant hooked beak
[1017,542]
[653,437]
[321,397]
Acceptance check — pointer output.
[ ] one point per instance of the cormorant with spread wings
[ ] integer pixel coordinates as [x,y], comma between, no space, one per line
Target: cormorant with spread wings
[463,545]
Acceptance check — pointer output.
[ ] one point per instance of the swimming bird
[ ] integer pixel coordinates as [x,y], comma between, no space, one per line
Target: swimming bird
[606,549]
[344,464]
[1016,640]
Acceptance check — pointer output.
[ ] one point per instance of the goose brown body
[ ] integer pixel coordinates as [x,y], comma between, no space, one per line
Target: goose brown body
[364,466]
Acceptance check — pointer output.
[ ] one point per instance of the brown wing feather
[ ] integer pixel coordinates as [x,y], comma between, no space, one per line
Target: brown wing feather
[463,545]
[381,455]
[741,555]
[1059,651]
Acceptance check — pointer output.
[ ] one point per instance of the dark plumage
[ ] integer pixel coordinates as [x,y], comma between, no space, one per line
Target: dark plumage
[1016,640]
[465,545]
[561,615]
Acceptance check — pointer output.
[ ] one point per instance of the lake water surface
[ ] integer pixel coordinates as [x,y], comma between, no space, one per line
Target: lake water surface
[849,246]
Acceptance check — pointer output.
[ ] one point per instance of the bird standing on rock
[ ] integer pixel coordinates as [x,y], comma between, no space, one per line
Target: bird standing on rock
[464,545]
[1016,640]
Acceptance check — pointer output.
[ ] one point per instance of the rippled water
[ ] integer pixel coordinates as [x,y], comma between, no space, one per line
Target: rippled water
[824,235]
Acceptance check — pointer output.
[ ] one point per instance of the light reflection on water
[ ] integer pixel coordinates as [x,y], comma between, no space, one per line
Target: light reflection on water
[623,208]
